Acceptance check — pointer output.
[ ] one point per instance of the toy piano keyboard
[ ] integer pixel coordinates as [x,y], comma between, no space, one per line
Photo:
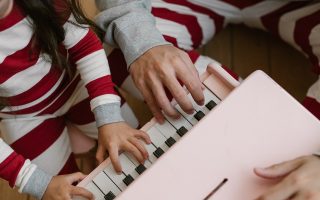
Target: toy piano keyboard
[211,154]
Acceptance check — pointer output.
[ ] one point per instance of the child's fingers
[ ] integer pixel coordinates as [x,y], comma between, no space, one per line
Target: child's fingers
[143,135]
[100,154]
[133,150]
[75,177]
[114,157]
[81,192]
[140,147]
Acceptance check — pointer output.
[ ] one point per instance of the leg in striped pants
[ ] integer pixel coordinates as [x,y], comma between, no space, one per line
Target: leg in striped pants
[188,24]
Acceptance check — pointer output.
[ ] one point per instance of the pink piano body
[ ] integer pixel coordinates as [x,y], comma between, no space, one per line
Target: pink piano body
[256,125]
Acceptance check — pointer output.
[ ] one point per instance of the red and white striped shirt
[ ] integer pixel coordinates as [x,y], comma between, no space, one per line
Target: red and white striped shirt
[34,87]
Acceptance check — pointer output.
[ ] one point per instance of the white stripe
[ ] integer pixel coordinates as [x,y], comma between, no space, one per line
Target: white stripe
[287,22]
[205,22]
[252,15]
[229,12]
[5,150]
[314,39]
[175,30]
[104,99]
[14,129]
[24,174]
[15,38]
[314,90]
[90,129]
[54,158]
[37,101]
[73,32]
[26,79]
[93,66]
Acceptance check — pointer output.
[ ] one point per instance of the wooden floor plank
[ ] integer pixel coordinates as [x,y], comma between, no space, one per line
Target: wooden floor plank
[250,51]
[290,68]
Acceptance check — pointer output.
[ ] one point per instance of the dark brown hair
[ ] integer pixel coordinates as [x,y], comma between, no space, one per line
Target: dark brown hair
[47,18]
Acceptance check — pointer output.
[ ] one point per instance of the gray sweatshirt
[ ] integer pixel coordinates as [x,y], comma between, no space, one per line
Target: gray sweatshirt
[130,26]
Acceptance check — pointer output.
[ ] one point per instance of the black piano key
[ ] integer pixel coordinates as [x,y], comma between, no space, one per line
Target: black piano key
[181,131]
[211,104]
[158,152]
[109,196]
[128,179]
[170,141]
[199,115]
[140,169]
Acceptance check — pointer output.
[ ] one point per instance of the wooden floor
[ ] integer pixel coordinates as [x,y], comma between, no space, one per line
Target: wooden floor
[243,50]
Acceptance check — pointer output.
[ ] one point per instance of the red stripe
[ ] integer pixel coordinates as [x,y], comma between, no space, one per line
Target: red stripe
[80,113]
[118,66]
[10,168]
[194,55]
[189,21]
[313,106]
[19,61]
[271,20]
[217,19]
[70,166]
[38,90]
[15,16]
[87,45]
[62,98]
[100,86]
[45,102]
[172,40]
[40,138]
[302,31]
[242,3]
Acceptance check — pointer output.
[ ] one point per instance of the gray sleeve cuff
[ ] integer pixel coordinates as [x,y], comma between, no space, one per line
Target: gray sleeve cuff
[107,114]
[37,183]
[129,25]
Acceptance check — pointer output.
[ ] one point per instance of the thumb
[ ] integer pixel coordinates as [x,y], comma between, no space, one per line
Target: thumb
[75,177]
[279,170]
[100,155]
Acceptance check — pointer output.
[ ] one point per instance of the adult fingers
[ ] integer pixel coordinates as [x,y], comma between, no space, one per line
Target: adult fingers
[190,78]
[140,146]
[283,190]
[81,192]
[279,170]
[114,157]
[150,100]
[161,97]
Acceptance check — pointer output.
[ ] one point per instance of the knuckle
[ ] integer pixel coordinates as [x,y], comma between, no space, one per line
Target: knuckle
[297,179]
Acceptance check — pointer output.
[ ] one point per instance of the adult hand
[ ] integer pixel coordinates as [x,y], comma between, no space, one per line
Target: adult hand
[163,67]
[300,179]
[61,188]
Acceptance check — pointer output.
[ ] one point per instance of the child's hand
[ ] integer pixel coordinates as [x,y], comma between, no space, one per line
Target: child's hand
[61,188]
[117,137]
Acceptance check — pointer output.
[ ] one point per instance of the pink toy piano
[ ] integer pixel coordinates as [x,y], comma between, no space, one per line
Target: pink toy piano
[211,154]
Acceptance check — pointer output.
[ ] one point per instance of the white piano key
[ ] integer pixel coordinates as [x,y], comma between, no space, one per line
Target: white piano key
[178,123]
[127,166]
[150,148]
[98,195]
[116,178]
[105,184]
[188,117]
[167,130]
[156,136]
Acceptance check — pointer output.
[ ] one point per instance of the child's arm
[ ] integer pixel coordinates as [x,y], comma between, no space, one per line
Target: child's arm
[86,51]
[22,173]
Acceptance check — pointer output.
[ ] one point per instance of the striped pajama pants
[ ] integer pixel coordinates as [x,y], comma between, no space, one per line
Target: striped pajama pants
[187,24]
